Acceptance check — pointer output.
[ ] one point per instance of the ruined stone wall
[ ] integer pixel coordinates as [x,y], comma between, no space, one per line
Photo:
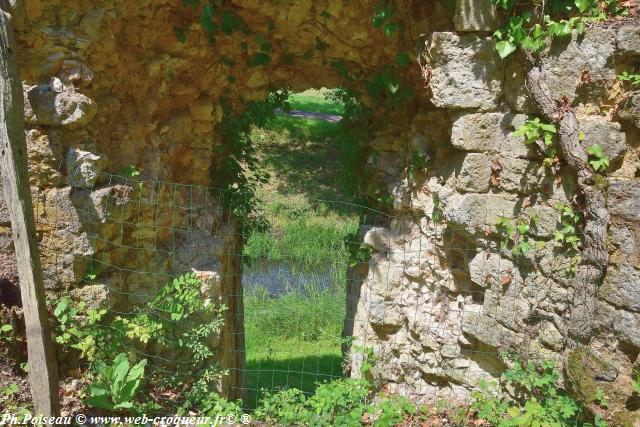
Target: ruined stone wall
[112,84]
[442,301]
[109,85]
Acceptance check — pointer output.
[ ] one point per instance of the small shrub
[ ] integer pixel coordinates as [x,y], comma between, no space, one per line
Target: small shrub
[116,386]
[533,399]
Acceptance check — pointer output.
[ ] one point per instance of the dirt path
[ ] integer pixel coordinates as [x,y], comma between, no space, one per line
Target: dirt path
[331,118]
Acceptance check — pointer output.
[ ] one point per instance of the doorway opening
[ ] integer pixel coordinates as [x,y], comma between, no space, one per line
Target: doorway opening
[295,269]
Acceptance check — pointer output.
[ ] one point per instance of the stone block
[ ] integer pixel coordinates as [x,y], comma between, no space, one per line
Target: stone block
[621,287]
[521,175]
[477,212]
[45,153]
[564,63]
[488,331]
[95,296]
[627,327]
[597,130]
[629,39]
[472,173]
[486,269]
[551,337]
[490,132]
[466,71]
[515,90]
[83,168]
[475,15]
[43,106]
[623,199]
[630,110]
[568,57]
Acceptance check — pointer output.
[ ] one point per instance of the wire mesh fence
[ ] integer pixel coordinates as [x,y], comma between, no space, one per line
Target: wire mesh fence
[434,306]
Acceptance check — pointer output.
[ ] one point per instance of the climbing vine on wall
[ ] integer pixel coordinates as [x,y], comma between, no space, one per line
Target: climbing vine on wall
[530,27]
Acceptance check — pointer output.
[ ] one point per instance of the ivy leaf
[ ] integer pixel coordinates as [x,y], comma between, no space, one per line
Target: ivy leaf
[505,48]
[259,59]
[595,150]
[227,22]
[403,58]
[583,5]
[390,28]
[181,34]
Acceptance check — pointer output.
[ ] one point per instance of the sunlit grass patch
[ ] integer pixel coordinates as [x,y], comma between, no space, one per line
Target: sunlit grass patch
[315,100]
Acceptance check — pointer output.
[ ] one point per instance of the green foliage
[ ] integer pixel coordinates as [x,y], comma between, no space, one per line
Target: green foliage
[567,235]
[6,335]
[239,174]
[531,30]
[436,212]
[202,400]
[533,399]
[417,164]
[632,79]
[601,399]
[386,87]
[214,19]
[176,304]
[78,327]
[314,315]
[599,162]
[115,387]
[356,128]
[339,402]
[316,101]
[10,404]
[569,220]
[343,402]
[303,241]
[636,381]
[534,130]
[131,171]
[516,235]
[383,18]
[359,252]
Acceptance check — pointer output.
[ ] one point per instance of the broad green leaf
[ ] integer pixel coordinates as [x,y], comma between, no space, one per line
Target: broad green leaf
[505,48]
[403,59]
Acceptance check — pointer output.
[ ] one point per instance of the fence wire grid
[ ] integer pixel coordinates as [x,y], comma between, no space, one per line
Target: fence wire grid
[438,316]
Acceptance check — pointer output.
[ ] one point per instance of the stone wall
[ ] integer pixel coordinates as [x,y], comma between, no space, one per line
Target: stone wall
[442,301]
[111,85]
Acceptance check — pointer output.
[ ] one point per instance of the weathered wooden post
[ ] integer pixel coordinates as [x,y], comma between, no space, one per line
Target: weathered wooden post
[43,369]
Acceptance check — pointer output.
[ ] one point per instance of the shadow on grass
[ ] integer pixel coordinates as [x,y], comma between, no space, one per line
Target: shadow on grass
[305,156]
[303,373]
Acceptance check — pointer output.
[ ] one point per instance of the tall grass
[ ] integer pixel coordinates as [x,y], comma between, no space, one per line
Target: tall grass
[293,340]
[308,243]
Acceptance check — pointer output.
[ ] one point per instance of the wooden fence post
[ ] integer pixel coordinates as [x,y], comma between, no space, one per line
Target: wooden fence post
[43,369]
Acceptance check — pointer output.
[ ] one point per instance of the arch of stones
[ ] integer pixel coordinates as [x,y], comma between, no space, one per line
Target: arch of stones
[109,84]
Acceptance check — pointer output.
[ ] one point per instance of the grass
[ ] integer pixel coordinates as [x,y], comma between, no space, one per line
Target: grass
[294,340]
[314,100]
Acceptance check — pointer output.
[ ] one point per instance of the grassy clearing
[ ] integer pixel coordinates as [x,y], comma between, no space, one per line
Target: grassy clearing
[315,100]
[294,340]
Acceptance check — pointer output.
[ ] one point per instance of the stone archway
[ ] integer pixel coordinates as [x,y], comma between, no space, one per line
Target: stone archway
[137,83]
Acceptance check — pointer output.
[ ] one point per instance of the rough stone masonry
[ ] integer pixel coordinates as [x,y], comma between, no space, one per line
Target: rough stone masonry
[109,85]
